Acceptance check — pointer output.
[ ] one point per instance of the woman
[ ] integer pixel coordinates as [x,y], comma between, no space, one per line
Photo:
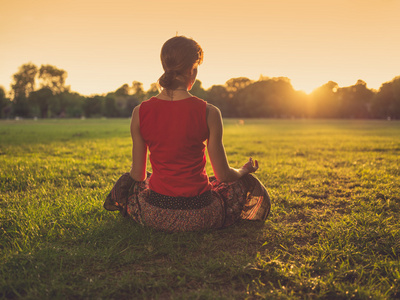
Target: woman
[175,128]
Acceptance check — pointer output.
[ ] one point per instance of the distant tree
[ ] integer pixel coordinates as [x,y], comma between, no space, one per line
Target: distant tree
[71,104]
[395,108]
[324,101]
[2,93]
[386,103]
[5,104]
[93,106]
[124,90]
[53,78]
[121,98]
[57,106]
[356,100]
[238,97]
[138,92]
[41,99]
[267,98]
[131,103]
[288,102]
[21,107]
[24,80]
[152,91]
[197,90]
[3,101]
[219,96]
[234,85]
[110,110]
[23,83]
[254,101]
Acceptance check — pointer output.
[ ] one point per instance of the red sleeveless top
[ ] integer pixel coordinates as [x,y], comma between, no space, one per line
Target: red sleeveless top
[176,133]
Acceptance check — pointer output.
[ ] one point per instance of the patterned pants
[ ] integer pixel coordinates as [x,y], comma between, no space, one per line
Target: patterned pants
[246,198]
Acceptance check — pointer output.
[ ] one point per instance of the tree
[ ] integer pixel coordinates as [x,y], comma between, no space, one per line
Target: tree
[111,110]
[23,84]
[71,104]
[153,91]
[386,103]
[24,80]
[5,104]
[218,96]
[125,101]
[131,103]
[233,87]
[41,99]
[273,97]
[53,78]
[324,101]
[93,106]
[356,100]
[197,90]
[396,98]
[138,92]
[124,90]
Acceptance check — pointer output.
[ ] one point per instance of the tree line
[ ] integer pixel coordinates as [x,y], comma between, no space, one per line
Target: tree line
[42,93]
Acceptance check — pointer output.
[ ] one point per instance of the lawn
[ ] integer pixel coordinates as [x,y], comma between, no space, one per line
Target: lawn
[333,231]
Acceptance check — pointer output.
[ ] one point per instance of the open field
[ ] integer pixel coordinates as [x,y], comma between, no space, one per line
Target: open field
[333,232]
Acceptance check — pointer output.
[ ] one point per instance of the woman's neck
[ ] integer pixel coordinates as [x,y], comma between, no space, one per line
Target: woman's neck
[175,94]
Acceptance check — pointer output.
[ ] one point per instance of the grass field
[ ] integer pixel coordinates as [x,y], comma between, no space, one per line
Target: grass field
[333,232]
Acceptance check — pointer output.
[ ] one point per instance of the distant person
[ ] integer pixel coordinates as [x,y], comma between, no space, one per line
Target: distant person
[175,127]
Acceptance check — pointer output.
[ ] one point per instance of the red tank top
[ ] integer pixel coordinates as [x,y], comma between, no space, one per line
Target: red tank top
[176,132]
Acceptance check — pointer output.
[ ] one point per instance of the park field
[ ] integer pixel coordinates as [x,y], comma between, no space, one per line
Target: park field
[333,231]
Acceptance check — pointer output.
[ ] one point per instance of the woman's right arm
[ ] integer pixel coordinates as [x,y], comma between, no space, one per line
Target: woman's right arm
[139,148]
[216,151]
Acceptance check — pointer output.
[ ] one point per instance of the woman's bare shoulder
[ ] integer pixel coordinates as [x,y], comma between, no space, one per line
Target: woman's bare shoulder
[213,111]
[135,111]
[135,119]
[214,118]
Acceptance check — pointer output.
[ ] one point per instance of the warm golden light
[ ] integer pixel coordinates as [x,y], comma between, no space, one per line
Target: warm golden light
[103,44]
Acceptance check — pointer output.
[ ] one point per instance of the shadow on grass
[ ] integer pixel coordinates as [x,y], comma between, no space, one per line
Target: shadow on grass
[121,259]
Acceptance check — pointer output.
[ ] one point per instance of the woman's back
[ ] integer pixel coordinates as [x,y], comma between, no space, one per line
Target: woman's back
[176,132]
[174,126]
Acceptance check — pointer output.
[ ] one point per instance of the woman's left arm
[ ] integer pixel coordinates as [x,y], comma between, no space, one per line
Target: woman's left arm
[139,148]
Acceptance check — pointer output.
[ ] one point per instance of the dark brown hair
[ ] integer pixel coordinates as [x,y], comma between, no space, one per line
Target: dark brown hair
[178,56]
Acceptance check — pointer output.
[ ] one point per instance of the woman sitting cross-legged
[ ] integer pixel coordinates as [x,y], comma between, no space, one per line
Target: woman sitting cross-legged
[176,127]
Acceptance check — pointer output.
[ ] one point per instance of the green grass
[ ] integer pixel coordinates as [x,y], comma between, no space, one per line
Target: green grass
[333,232]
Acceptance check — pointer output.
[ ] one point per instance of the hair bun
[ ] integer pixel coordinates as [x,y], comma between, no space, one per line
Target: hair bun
[171,74]
[167,80]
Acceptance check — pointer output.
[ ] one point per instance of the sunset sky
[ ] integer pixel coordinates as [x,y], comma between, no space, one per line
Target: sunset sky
[104,44]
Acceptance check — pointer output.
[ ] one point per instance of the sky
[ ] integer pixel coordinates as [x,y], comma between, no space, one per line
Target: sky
[105,44]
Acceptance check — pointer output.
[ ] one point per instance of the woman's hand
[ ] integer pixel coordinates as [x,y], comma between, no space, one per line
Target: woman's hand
[251,166]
